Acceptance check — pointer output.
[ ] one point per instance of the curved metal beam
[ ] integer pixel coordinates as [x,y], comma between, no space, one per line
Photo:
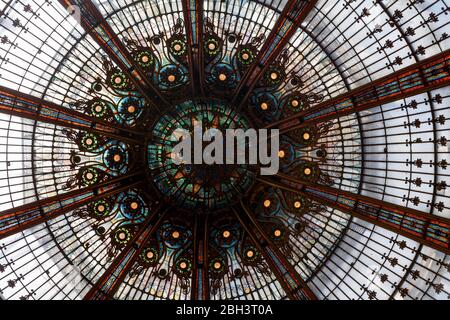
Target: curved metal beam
[293,284]
[430,230]
[293,14]
[98,28]
[21,218]
[200,280]
[424,76]
[193,21]
[23,105]
[110,281]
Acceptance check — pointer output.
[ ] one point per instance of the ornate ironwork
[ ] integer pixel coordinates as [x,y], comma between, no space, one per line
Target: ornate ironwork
[86,135]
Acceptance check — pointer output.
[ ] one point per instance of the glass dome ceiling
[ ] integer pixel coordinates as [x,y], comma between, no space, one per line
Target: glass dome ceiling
[359,90]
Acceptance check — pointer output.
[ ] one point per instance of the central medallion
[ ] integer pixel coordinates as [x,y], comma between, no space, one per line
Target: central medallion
[203,187]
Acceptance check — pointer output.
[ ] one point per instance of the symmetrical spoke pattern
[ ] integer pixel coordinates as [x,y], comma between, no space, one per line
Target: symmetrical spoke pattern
[94,206]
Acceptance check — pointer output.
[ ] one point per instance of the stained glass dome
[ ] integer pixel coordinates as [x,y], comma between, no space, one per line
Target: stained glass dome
[93,205]
[204,187]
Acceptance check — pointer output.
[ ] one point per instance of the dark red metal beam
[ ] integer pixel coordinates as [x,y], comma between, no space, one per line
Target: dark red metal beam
[200,281]
[98,28]
[29,215]
[112,278]
[290,19]
[424,76]
[293,284]
[193,21]
[22,105]
[427,229]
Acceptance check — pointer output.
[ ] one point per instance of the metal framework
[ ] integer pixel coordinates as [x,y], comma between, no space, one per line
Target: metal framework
[200,281]
[294,13]
[424,76]
[294,285]
[433,231]
[29,107]
[22,218]
[110,281]
[193,16]
[46,149]
[98,28]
